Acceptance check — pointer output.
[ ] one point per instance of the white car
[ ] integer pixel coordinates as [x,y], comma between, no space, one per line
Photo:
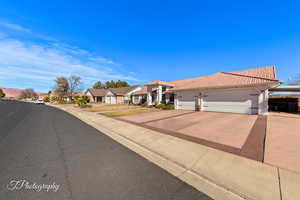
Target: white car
[39,101]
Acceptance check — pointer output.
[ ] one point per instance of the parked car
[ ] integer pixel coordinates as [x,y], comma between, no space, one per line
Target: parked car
[39,101]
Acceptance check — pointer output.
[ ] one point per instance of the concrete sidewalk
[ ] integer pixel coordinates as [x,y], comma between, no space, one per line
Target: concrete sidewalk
[221,175]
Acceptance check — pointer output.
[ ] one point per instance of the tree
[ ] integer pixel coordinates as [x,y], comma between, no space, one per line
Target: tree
[73,82]
[121,84]
[111,84]
[61,86]
[2,94]
[99,85]
[28,94]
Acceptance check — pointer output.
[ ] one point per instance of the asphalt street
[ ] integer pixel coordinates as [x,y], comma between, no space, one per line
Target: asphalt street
[49,154]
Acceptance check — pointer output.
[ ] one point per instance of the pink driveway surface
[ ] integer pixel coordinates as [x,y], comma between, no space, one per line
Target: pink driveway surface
[222,128]
[283,141]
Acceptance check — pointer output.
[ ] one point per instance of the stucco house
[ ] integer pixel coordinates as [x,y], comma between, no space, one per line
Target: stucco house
[96,95]
[243,91]
[120,95]
[140,97]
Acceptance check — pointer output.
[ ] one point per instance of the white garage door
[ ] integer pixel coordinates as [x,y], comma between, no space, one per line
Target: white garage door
[111,100]
[186,101]
[245,101]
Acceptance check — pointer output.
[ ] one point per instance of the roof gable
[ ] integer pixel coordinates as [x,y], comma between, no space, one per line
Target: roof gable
[97,92]
[122,90]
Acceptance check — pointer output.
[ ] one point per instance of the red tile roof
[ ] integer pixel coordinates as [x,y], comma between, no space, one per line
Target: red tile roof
[158,82]
[43,95]
[250,77]
[143,91]
[264,75]
[140,92]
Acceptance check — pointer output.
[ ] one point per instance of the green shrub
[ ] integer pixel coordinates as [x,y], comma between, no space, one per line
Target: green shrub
[82,100]
[46,99]
[159,106]
[54,99]
[85,106]
[165,106]
[76,97]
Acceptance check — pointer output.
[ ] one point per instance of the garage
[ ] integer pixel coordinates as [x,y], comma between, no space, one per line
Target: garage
[186,101]
[284,103]
[235,101]
[244,101]
[110,100]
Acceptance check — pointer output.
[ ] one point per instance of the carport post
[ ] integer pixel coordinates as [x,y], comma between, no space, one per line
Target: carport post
[159,94]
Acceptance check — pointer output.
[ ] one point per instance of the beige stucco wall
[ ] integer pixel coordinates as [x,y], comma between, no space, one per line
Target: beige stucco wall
[120,99]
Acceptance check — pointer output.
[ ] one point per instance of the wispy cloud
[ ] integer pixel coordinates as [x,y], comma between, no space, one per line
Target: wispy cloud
[26,61]
[102,60]
[13,26]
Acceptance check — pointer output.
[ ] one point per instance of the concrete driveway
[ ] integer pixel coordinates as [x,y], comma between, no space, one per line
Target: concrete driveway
[235,133]
[283,141]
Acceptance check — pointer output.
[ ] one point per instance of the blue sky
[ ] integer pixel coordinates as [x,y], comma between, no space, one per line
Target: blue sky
[140,41]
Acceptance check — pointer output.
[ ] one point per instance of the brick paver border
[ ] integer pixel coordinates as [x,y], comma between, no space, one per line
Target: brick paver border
[253,147]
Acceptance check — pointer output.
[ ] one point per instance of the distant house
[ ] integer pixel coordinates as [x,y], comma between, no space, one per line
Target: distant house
[140,97]
[123,94]
[120,95]
[96,95]
[42,95]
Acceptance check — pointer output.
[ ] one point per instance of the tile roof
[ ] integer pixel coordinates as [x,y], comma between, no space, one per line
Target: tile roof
[257,76]
[97,92]
[42,95]
[160,83]
[143,91]
[122,90]
[263,75]
[117,91]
